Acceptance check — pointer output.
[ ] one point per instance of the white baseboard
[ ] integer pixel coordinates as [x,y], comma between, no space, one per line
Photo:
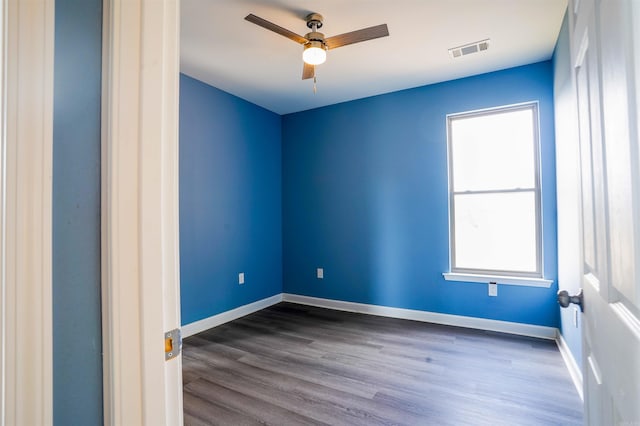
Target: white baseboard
[572,365]
[216,320]
[433,317]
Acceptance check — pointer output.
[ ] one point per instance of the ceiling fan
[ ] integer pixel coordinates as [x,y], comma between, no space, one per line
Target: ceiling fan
[315,44]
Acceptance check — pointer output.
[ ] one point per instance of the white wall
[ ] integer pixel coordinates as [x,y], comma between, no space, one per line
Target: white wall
[568,185]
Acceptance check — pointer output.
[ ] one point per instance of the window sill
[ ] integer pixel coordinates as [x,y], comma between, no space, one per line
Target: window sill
[498,279]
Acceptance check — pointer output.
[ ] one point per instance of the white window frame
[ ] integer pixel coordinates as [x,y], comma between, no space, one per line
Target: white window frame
[526,278]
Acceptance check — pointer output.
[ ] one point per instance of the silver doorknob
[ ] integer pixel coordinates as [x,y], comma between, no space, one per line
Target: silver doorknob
[565,300]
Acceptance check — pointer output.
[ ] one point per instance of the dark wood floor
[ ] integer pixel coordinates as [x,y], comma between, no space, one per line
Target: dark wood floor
[297,365]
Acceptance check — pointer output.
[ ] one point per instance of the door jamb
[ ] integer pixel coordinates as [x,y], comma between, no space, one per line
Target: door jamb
[26,154]
[140,261]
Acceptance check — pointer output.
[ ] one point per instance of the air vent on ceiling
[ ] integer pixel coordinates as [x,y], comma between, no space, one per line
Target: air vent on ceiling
[468,49]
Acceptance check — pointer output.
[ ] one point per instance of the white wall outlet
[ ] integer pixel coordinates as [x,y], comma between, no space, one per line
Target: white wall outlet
[320,273]
[241,278]
[493,289]
[575,317]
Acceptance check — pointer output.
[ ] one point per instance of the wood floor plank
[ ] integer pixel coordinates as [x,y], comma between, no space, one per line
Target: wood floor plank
[253,408]
[202,412]
[295,364]
[316,375]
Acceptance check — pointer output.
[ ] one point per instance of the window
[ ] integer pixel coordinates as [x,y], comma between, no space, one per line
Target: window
[494,192]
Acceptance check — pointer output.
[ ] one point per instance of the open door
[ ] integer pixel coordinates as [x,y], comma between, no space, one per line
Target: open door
[605,46]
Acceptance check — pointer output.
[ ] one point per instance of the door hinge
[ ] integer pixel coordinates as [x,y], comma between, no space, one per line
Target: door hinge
[172,344]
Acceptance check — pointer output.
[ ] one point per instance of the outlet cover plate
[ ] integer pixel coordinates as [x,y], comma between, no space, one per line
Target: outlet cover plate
[320,273]
[493,289]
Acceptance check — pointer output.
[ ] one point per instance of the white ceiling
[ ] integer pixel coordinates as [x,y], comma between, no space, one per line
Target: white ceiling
[222,49]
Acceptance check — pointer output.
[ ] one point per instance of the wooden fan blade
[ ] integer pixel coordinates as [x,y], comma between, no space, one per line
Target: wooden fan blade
[275,28]
[308,71]
[357,36]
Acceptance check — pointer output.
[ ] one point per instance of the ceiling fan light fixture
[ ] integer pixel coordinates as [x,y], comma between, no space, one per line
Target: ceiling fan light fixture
[314,42]
[314,53]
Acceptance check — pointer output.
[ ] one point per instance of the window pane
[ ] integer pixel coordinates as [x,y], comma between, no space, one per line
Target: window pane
[496,231]
[493,151]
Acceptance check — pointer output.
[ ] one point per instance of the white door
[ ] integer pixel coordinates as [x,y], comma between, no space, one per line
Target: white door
[605,44]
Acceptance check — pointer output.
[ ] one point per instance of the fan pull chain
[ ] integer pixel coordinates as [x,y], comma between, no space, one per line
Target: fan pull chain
[315,89]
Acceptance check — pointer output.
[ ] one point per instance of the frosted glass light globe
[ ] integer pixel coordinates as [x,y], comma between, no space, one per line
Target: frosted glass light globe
[314,53]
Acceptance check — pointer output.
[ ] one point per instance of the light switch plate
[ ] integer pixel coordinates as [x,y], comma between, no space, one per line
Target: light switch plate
[320,273]
[241,278]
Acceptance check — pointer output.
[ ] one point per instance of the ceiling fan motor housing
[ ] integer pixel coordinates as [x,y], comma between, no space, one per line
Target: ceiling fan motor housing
[316,43]
[315,36]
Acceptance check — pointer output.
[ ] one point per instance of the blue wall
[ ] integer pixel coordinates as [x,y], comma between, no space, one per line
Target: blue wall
[568,181]
[365,197]
[230,201]
[77,341]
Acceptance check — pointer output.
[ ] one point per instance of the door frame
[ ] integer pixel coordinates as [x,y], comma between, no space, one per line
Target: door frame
[140,245]
[26,166]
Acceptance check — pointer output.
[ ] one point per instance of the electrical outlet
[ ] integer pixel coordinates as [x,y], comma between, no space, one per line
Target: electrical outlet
[493,289]
[575,317]
[241,278]
[320,273]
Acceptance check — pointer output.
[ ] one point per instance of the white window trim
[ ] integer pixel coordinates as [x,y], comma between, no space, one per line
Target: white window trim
[535,279]
[498,279]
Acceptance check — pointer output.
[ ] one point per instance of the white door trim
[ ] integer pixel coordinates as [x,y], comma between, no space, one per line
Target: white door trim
[26,376]
[140,211]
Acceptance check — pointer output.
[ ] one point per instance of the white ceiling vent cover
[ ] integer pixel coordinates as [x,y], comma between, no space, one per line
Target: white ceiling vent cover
[468,49]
